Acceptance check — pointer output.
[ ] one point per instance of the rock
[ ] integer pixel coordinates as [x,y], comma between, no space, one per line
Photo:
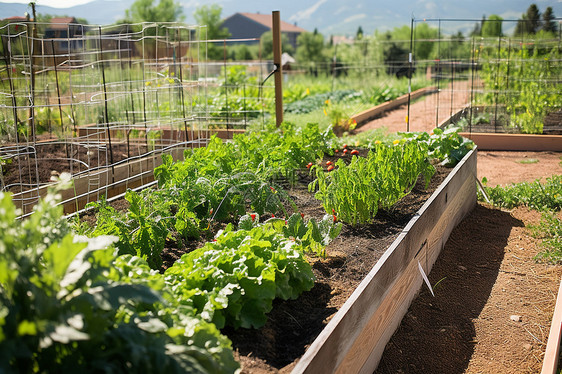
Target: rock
[462,268]
[527,347]
[516,318]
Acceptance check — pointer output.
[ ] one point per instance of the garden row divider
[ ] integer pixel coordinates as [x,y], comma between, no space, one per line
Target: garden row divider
[552,352]
[515,142]
[374,112]
[354,339]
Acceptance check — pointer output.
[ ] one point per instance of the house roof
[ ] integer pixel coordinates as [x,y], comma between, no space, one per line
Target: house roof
[16,19]
[267,21]
[61,23]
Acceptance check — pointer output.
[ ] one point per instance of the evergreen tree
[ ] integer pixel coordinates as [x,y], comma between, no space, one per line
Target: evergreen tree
[548,23]
[533,19]
[359,34]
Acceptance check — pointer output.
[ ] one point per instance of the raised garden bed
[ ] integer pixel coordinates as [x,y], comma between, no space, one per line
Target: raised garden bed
[354,339]
[363,287]
[489,137]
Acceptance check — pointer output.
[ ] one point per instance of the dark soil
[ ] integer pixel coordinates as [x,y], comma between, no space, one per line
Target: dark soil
[30,166]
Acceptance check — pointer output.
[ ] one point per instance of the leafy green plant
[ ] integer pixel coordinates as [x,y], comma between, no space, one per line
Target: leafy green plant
[66,308]
[234,279]
[535,195]
[141,231]
[445,145]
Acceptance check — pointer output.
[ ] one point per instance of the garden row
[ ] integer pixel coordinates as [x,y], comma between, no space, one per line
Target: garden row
[69,300]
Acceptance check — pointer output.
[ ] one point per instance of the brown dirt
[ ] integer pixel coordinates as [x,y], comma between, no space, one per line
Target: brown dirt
[486,275]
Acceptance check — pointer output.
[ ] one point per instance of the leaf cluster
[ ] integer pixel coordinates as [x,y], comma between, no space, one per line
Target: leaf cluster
[445,145]
[535,195]
[355,192]
[68,305]
[219,182]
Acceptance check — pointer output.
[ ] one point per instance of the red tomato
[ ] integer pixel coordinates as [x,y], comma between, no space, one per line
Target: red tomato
[355,152]
[345,151]
[328,163]
[253,216]
[331,167]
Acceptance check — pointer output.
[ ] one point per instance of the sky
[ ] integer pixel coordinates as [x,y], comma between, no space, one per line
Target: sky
[52,3]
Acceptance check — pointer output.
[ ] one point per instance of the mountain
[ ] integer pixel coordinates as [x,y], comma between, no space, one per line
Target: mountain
[329,17]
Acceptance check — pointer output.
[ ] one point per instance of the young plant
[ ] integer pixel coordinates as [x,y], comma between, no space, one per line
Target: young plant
[355,192]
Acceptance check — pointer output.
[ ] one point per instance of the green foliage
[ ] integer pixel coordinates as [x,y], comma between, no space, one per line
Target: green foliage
[310,48]
[550,230]
[535,195]
[528,92]
[219,182]
[67,307]
[210,16]
[492,27]
[355,192]
[234,280]
[313,102]
[141,231]
[147,11]
[267,45]
[445,145]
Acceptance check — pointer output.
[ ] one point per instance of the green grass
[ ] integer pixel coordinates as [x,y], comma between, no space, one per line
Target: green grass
[550,231]
[529,161]
[545,197]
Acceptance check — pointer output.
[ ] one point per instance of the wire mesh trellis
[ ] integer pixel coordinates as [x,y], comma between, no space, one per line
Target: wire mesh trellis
[512,84]
[82,98]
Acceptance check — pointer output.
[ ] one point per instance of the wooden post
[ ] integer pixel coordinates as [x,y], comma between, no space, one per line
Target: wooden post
[278,68]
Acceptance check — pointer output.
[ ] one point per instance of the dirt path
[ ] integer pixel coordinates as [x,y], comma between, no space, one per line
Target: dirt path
[498,167]
[486,273]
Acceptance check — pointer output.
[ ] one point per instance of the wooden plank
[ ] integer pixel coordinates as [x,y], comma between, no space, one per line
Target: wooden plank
[515,142]
[409,284]
[550,362]
[377,110]
[346,344]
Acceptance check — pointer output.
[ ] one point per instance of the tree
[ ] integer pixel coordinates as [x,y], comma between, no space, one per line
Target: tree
[267,44]
[210,16]
[548,24]
[492,27]
[359,34]
[529,22]
[310,48]
[146,11]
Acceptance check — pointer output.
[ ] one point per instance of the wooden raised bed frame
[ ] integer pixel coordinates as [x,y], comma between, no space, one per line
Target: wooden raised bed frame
[354,339]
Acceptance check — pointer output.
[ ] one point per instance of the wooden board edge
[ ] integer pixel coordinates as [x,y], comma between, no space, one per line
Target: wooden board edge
[552,352]
[371,113]
[515,142]
[334,332]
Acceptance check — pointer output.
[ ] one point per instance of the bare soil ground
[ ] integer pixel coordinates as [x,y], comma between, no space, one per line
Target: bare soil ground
[486,274]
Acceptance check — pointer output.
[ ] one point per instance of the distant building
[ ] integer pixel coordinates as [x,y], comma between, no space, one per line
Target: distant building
[251,25]
[66,33]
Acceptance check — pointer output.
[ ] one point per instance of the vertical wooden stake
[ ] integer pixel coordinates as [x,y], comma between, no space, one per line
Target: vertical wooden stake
[278,68]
